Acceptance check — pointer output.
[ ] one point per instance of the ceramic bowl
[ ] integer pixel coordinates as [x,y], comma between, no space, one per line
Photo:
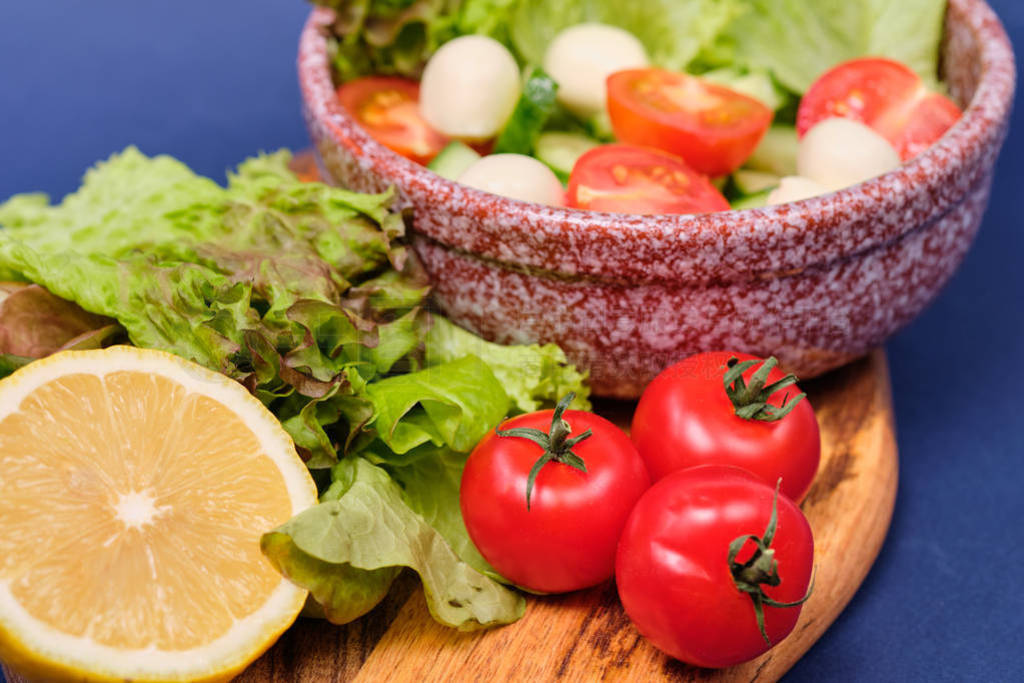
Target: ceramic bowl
[816,283]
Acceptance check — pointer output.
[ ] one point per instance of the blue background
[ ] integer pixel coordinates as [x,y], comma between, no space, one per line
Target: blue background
[213,81]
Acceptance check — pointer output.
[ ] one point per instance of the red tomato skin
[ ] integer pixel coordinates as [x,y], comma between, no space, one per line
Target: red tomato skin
[395,122]
[885,95]
[710,148]
[567,539]
[672,566]
[593,184]
[684,418]
[929,121]
[860,89]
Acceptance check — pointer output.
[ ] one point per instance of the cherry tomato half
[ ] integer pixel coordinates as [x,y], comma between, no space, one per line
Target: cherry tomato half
[712,127]
[388,108]
[885,95]
[566,539]
[629,179]
[685,418]
[674,573]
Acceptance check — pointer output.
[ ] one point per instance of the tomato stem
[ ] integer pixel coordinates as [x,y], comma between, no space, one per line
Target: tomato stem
[751,400]
[761,569]
[557,443]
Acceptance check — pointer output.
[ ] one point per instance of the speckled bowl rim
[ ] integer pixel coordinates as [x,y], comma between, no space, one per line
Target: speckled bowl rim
[749,240]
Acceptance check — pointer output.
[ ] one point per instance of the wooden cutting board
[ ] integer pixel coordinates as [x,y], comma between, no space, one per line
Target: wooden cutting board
[586,635]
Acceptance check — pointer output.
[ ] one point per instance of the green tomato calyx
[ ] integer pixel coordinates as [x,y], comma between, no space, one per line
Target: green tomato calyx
[557,443]
[751,400]
[761,569]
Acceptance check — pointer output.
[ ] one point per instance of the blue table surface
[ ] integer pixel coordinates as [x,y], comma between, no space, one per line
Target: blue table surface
[212,82]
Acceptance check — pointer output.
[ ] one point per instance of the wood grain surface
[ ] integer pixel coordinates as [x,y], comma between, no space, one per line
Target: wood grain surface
[586,636]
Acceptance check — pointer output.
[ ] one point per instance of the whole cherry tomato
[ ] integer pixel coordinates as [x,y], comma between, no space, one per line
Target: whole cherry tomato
[713,565]
[712,127]
[545,497]
[709,409]
[885,95]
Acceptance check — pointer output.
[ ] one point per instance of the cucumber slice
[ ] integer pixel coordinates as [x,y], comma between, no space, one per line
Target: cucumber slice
[751,201]
[600,126]
[777,151]
[561,150]
[534,108]
[757,84]
[751,182]
[451,161]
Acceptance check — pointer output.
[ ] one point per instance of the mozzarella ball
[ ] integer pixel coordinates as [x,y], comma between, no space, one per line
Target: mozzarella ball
[794,188]
[841,152]
[582,57]
[516,176]
[469,88]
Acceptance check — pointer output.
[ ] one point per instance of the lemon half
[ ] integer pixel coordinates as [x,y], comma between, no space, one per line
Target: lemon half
[134,487]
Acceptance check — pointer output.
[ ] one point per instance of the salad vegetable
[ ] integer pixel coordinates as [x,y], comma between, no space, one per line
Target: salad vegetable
[884,95]
[306,295]
[388,107]
[560,151]
[714,129]
[798,40]
[453,160]
[635,179]
[532,112]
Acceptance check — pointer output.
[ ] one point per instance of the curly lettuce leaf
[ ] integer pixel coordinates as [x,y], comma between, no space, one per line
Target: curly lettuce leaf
[533,375]
[388,36]
[798,40]
[345,550]
[34,323]
[301,291]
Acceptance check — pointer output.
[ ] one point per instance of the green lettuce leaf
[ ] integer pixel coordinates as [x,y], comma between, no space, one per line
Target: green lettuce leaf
[346,550]
[756,83]
[454,404]
[673,31]
[533,375]
[9,363]
[798,40]
[430,486]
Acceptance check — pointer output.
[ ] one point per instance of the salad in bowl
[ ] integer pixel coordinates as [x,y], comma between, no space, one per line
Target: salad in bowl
[861,189]
[596,106]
